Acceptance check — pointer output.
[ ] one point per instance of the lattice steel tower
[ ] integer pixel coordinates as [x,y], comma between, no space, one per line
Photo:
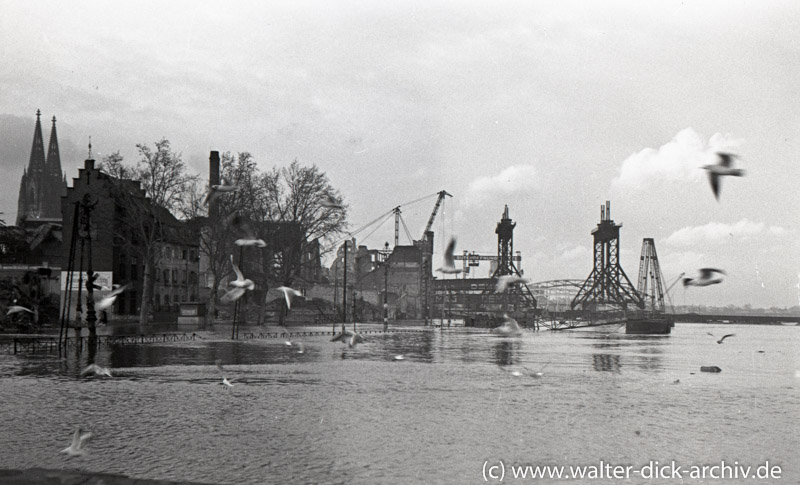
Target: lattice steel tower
[651,286]
[607,284]
[505,259]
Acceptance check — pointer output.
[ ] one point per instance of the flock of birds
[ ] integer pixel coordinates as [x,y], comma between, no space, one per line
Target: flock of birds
[723,167]
[509,327]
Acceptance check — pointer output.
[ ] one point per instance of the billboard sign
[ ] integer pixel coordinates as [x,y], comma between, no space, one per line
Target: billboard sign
[104,280]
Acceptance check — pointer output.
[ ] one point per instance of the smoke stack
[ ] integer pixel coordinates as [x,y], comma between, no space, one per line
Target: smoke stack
[213,179]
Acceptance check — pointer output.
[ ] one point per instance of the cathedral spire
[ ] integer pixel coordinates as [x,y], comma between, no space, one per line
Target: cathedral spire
[53,157]
[42,183]
[37,160]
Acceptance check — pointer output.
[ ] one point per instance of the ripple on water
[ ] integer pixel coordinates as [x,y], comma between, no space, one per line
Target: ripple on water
[340,415]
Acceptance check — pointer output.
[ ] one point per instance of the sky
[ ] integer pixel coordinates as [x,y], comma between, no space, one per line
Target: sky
[551,108]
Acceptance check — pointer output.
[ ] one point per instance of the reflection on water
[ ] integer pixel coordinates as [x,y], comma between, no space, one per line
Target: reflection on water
[336,414]
[606,362]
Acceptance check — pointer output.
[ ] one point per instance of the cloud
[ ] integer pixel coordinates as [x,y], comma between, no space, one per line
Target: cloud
[716,232]
[676,160]
[513,179]
[576,253]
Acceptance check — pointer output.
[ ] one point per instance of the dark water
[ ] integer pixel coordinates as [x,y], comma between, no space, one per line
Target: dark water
[339,415]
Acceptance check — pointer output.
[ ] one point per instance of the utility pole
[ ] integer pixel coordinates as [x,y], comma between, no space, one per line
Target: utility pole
[91,317]
[344,286]
[386,288]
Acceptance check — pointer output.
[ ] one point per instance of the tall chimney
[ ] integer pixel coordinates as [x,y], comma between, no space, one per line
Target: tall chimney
[213,179]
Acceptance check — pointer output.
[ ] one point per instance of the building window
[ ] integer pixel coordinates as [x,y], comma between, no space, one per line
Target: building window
[184,255]
[191,255]
[192,278]
[122,268]
[183,276]
[132,303]
[166,277]
[134,269]
[175,276]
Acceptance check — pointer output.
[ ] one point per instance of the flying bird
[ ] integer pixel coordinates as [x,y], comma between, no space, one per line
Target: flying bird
[225,380]
[329,202]
[289,294]
[352,338]
[723,337]
[95,370]
[241,225]
[251,242]
[76,448]
[17,309]
[105,302]
[503,282]
[706,278]
[215,190]
[529,372]
[509,328]
[240,285]
[299,346]
[721,168]
[449,264]
[232,295]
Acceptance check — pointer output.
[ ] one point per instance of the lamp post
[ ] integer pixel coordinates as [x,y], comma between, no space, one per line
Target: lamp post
[386,288]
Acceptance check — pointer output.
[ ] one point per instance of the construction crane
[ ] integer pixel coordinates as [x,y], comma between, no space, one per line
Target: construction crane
[439,200]
[669,297]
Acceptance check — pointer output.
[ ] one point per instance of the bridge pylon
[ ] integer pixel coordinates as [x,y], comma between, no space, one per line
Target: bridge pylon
[607,285]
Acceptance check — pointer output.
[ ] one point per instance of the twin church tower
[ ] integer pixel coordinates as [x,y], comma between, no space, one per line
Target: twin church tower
[43,183]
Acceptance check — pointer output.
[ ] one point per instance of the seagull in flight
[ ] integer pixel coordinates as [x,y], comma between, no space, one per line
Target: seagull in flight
[225,380]
[329,202]
[721,168]
[215,190]
[240,285]
[16,309]
[503,282]
[95,370]
[723,337]
[250,242]
[105,302]
[299,346]
[449,264]
[509,328]
[706,278]
[289,294]
[76,448]
[534,374]
[346,335]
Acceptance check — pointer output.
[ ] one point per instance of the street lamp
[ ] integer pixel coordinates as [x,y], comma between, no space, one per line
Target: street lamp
[386,288]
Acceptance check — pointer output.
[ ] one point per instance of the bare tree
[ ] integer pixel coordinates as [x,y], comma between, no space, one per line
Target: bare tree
[147,198]
[234,211]
[302,229]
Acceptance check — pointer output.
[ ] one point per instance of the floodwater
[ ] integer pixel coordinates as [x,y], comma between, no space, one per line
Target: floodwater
[461,402]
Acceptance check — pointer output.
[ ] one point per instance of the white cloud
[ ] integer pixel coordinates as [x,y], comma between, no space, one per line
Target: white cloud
[513,179]
[678,159]
[716,232]
[576,253]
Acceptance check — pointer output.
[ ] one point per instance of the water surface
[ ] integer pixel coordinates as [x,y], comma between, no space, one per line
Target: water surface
[339,415]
